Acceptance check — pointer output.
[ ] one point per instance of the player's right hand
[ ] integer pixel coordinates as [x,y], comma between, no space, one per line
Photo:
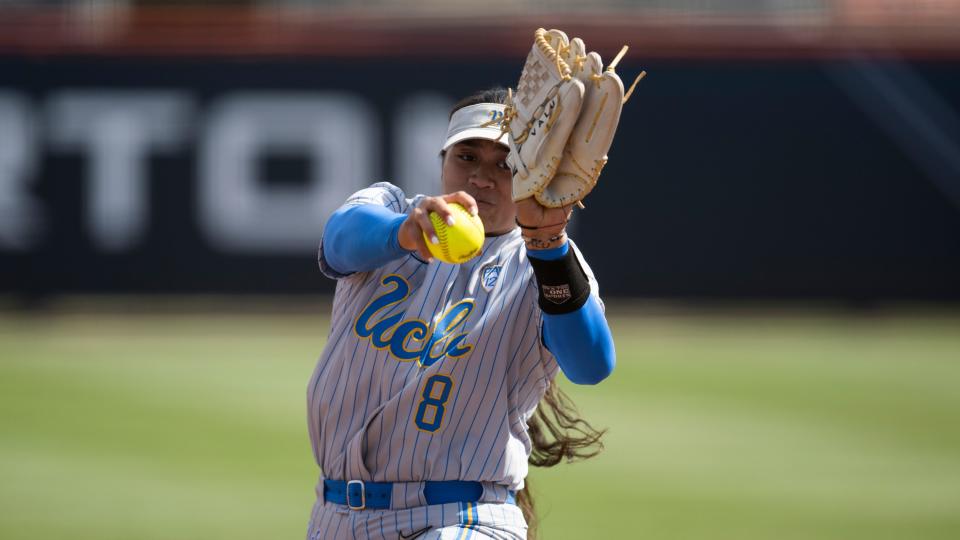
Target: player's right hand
[417,224]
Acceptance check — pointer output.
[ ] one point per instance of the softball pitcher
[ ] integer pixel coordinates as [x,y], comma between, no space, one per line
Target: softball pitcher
[436,386]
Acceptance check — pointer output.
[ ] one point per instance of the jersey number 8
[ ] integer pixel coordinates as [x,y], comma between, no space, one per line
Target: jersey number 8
[430,412]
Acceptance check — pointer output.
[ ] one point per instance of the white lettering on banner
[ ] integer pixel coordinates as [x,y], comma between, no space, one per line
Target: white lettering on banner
[20,215]
[420,126]
[116,133]
[118,130]
[337,132]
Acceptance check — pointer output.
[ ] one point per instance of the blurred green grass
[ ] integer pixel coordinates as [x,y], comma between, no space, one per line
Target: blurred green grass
[751,426]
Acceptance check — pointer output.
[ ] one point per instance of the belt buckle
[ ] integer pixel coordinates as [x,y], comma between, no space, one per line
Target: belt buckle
[363,495]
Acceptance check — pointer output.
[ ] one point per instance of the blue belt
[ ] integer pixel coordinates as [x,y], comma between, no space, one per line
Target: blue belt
[358,495]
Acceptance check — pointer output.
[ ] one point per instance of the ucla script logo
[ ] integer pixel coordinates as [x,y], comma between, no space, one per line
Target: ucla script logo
[408,339]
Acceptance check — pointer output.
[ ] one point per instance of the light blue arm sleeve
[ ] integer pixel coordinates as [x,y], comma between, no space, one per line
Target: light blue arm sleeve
[362,237]
[581,340]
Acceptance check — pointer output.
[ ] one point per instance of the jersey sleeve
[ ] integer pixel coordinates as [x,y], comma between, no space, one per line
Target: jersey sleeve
[381,194]
[362,234]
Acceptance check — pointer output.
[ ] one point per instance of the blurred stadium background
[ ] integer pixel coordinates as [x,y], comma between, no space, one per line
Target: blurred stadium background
[777,237]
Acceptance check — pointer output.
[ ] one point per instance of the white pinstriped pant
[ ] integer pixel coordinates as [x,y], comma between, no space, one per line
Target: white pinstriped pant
[452,521]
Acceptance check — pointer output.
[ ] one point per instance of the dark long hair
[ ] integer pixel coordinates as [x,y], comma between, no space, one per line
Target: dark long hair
[556,431]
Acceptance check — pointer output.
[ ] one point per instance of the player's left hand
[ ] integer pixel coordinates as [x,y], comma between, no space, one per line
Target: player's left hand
[542,227]
[562,121]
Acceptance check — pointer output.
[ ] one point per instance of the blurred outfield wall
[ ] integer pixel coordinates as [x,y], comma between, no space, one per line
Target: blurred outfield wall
[806,153]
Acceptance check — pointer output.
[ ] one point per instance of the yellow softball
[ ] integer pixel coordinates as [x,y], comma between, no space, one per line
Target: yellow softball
[460,242]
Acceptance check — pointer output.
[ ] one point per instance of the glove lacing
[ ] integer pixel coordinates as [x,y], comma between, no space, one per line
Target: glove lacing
[563,69]
[612,66]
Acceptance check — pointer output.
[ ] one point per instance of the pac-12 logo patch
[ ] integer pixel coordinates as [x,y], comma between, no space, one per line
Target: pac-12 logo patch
[489,276]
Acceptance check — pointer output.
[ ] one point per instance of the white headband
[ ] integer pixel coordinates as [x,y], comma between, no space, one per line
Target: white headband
[480,121]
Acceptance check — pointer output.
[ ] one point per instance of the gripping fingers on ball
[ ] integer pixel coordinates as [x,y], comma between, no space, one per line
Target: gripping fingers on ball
[422,217]
[411,234]
[423,250]
[464,199]
[416,231]
[440,206]
[424,229]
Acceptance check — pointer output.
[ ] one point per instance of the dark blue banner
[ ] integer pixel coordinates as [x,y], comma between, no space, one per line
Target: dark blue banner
[800,179]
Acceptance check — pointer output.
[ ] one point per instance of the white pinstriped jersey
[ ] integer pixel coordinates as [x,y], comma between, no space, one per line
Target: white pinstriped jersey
[430,371]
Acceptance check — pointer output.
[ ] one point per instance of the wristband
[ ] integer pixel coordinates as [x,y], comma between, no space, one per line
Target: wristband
[562,283]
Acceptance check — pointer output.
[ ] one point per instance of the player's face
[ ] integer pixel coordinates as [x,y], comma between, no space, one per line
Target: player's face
[479,167]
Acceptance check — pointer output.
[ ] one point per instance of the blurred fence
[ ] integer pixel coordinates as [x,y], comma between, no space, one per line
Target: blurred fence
[777,150]
[344,28]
